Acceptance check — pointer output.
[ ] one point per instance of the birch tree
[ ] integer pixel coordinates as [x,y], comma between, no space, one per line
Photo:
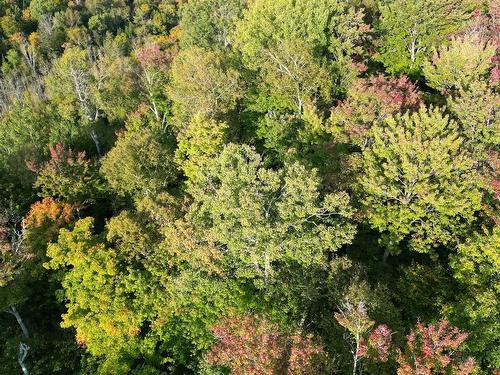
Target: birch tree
[410,29]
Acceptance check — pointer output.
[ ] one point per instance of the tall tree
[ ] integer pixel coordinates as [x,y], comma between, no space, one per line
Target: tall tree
[418,183]
[142,160]
[265,217]
[204,82]
[301,49]
[209,24]
[476,267]
[457,65]
[410,29]
[100,295]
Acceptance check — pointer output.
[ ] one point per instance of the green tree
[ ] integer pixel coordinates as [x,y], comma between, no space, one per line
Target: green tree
[201,140]
[23,136]
[205,82]
[410,29]
[418,183]
[476,267]
[297,48]
[90,82]
[476,109]
[71,86]
[187,288]
[152,17]
[115,74]
[39,8]
[266,217]
[459,64]
[209,24]
[97,290]
[142,160]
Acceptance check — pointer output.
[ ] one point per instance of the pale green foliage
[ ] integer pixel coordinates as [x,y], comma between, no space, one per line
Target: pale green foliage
[476,266]
[71,85]
[264,217]
[289,41]
[268,23]
[91,82]
[411,28]
[203,82]
[209,23]
[418,183]
[458,64]
[292,75]
[296,136]
[202,139]
[39,8]
[477,110]
[24,134]
[141,162]
[117,91]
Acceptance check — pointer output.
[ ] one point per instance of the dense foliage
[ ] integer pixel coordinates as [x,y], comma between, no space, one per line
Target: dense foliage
[249,187]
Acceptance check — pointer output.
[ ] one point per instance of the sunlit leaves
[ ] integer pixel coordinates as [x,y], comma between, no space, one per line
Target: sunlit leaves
[253,345]
[463,61]
[265,216]
[418,182]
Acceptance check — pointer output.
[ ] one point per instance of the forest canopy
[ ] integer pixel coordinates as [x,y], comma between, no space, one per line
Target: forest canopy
[249,187]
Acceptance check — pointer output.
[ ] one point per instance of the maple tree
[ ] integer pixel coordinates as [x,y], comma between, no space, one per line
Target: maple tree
[369,101]
[432,349]
[68,175]
[419,183]
[253,345]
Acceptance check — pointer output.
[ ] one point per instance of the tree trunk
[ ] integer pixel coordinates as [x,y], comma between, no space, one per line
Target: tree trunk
[13,311]
[386,255]
[355,359]
[23,353]
[94,137]
[23,348]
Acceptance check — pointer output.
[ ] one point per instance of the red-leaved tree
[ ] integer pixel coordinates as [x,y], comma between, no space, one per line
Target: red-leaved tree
[369,100]
[252,345]
[377,347]
[433,349]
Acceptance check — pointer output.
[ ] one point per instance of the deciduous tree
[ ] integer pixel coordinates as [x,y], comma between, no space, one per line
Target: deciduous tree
[209,24]
[418,182]
[264,217]
[204,82]
[142,161]
[371,100]
[457,65]
[410,29]
[433,349]
[296,47]
[476,267]
[253,345]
